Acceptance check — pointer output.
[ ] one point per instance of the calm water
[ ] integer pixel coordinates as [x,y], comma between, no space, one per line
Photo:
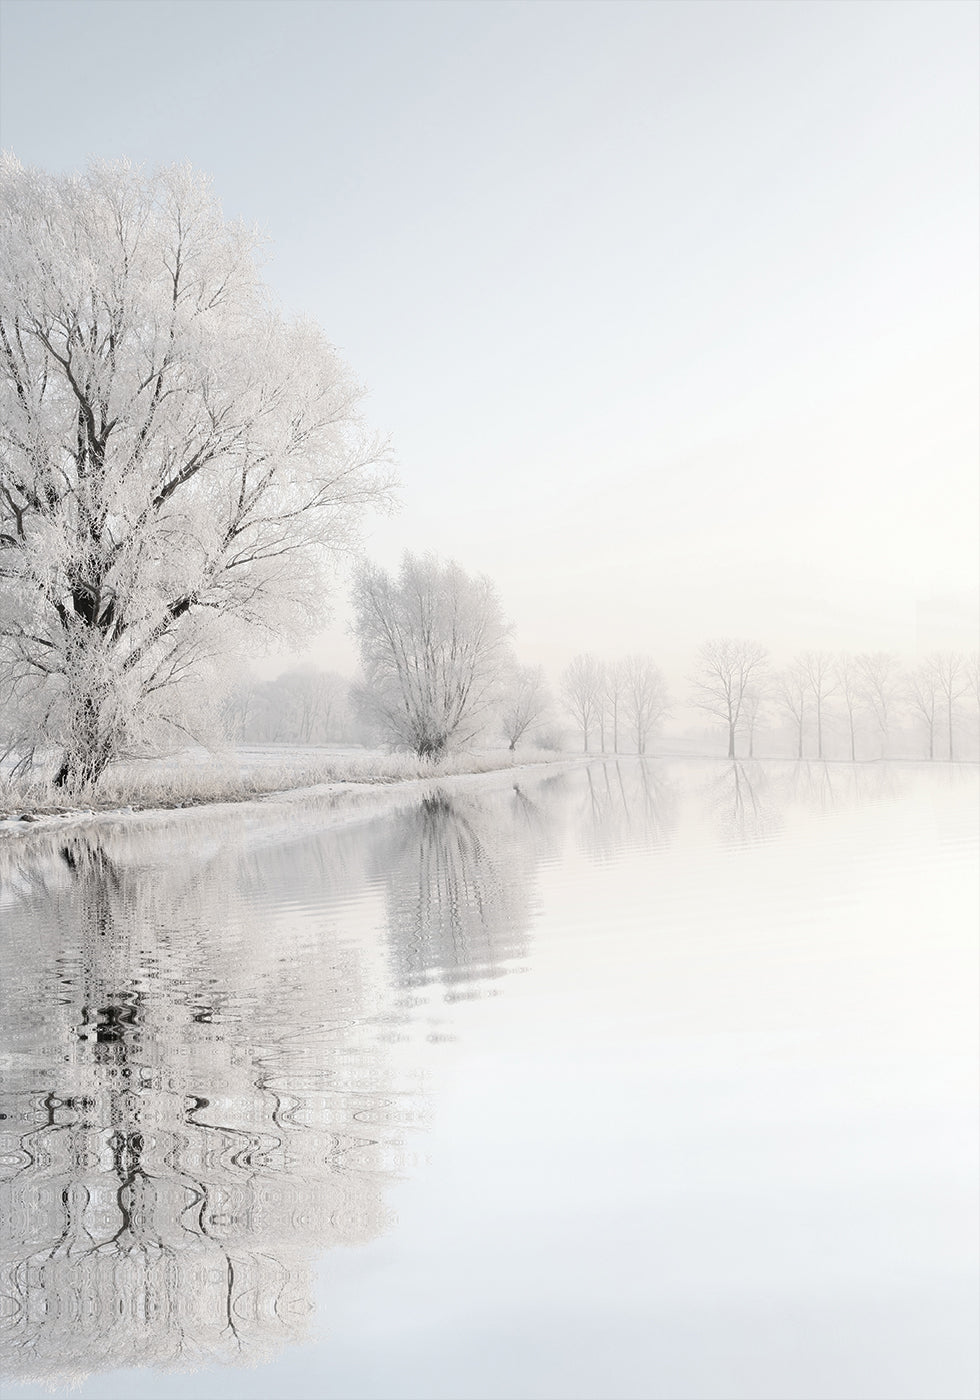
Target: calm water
[639,1079]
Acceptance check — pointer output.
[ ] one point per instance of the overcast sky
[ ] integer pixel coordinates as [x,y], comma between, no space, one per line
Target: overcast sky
[670,309]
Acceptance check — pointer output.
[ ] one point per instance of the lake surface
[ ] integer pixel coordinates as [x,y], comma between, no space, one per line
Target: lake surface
[636,1079]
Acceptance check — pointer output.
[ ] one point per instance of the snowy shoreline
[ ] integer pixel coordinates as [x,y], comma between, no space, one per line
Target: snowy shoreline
[338,801]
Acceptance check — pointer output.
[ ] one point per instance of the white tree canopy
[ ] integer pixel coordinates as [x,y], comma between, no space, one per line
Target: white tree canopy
[433,646]
[177,461]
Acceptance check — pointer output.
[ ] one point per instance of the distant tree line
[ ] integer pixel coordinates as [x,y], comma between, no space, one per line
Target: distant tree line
[618,705]
[862,698]
[302,706]
[439,673]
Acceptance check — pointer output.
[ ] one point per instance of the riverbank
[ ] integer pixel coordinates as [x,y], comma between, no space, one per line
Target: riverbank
[247,775]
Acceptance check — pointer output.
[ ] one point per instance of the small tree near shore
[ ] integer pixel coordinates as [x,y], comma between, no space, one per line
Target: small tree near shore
[526,704]
[434,651]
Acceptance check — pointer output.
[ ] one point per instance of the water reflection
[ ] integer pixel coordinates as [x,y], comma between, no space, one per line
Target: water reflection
[742,801]
[195,1107]
[456,870]
[626,804]
[202,1092]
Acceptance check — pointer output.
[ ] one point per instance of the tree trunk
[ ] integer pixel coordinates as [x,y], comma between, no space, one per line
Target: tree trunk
[819,730]
[731,740]
[949,721]
[851,723]
[84,762]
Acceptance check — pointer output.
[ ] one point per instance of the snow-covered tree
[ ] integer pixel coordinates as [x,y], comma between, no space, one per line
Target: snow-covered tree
[848,677]
[582,687]
[880,683]
[922,696]
[822,679]
[727,669]
[433,646]
[644,698]
[953,682]
[753,709]
[526,704]
[793,689]
[179,465]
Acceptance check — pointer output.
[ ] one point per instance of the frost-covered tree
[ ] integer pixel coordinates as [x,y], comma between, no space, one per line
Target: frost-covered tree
[434,650]
[880,683]
[922,696]
[822,680]
[953,682]
[792,691]
[848,677]
[582,685]
[645,699]
[613,680]
[526,704]
[726,670]
[753,709]
[179,465]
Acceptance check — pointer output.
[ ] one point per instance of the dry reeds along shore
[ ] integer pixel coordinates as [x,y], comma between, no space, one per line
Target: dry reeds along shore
[196,778]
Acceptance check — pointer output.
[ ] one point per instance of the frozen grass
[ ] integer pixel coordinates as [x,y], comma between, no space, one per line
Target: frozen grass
[197,778]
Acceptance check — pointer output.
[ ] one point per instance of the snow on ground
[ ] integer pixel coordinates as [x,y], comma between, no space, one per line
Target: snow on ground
[266,780]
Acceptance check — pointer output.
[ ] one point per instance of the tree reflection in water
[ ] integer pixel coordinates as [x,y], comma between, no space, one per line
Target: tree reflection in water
[630,803]
[194,1108]
[201,1099]
[740,799]
[456,870]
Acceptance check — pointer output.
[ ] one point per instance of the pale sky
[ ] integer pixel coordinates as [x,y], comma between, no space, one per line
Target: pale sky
[670,309]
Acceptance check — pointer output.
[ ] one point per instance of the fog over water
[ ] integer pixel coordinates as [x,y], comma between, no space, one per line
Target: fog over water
[643,1078]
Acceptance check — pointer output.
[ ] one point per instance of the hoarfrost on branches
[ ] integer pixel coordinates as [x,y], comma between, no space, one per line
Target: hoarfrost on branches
[179,465]
[728,669]
[433,646]
[645,698]
[582,685]
[526,704]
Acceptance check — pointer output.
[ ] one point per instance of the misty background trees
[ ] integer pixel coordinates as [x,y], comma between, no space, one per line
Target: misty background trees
[726,671]
[617,705]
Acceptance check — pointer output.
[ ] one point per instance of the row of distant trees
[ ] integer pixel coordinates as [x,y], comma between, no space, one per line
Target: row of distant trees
[304,705]
[439,672]
[866,696]
[869,693]
[622,703]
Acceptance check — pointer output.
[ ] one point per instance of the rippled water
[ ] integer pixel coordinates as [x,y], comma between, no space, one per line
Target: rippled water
[636,1079]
